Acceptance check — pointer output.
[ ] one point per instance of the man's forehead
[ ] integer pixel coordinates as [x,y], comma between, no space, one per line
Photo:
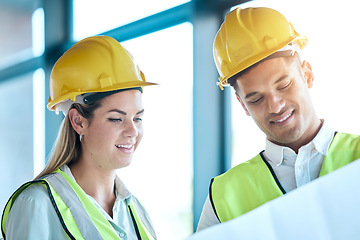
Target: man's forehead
[265,74]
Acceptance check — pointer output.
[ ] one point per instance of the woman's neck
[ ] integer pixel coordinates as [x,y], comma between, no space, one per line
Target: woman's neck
[100,185]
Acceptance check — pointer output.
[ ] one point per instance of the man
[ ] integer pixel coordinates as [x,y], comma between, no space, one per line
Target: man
[257,52]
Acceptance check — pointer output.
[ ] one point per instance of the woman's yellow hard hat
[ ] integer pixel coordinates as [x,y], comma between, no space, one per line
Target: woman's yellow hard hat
[94,64]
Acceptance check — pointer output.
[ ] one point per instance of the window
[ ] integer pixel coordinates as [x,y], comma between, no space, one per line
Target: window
[22,97]
[161,172]
[90,16]
[18,44]
[16,138]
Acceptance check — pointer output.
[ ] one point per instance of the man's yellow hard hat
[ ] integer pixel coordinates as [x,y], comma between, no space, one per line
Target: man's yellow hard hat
[94,64]
[248,36]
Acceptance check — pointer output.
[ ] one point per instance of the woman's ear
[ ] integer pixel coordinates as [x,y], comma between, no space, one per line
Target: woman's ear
[308,74]
[78,122]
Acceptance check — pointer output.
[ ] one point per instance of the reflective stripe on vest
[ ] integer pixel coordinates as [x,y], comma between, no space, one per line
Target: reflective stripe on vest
[141,231]
[78,215]
[253,183]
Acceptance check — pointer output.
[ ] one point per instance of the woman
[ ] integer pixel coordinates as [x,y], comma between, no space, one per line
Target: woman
[78,195]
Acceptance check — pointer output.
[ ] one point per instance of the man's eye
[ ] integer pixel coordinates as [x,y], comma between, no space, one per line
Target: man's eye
[255,101]
[287,85]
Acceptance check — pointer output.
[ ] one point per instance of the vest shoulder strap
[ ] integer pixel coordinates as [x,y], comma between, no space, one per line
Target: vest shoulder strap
[10,203]
[75,212]
[140,229]
[344,149]
[101,223]
[243,188]
[80,218]
[77,209]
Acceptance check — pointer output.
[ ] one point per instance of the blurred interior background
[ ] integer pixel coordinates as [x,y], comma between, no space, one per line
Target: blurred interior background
[193,130]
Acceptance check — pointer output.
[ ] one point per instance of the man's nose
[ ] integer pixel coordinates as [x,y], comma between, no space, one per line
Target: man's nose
[275,103]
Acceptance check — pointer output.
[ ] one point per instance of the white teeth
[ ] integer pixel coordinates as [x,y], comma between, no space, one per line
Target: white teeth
[124,146]
[283,119]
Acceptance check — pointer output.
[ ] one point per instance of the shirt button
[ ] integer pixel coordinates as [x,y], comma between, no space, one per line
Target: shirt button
[122,234]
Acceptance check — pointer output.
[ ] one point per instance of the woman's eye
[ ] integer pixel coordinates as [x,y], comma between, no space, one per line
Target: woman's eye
[115,119]
[138,119]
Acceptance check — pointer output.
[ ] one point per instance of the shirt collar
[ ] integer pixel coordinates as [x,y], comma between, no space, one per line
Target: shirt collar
[323,139]
[321,143]
[121,190]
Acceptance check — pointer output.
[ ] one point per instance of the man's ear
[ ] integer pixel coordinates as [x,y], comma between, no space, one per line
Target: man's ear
[308,74]
[242,104]
[78,122]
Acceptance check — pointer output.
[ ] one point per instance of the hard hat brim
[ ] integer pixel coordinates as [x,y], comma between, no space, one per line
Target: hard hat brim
[72,95]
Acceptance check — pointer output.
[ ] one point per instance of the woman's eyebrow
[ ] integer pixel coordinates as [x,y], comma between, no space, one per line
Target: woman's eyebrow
[118,111]
[140,112]
[124,113]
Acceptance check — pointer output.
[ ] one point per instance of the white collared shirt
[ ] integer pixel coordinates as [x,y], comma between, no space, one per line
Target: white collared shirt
[33,216]
[292,170]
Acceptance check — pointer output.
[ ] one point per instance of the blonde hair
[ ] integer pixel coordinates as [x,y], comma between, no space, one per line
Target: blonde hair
[67,147]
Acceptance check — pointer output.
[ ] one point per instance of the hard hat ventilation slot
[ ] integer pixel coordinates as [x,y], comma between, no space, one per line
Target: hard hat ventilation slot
[270,42]
[105,80]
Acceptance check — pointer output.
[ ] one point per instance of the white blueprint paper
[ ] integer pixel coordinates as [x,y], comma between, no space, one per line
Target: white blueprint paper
[327,208]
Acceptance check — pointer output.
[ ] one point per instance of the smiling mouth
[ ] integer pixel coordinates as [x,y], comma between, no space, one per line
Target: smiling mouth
[124,146]
[282,119]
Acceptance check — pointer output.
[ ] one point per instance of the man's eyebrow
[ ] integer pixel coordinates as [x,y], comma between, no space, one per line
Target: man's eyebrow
[124,113]
[277,81]
[250,94]
[282,78]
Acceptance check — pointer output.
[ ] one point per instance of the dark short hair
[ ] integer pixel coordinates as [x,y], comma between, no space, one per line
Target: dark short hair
[290,57]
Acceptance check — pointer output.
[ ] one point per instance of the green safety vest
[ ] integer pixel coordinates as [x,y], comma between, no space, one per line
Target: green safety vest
[253,183]
[78,215]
